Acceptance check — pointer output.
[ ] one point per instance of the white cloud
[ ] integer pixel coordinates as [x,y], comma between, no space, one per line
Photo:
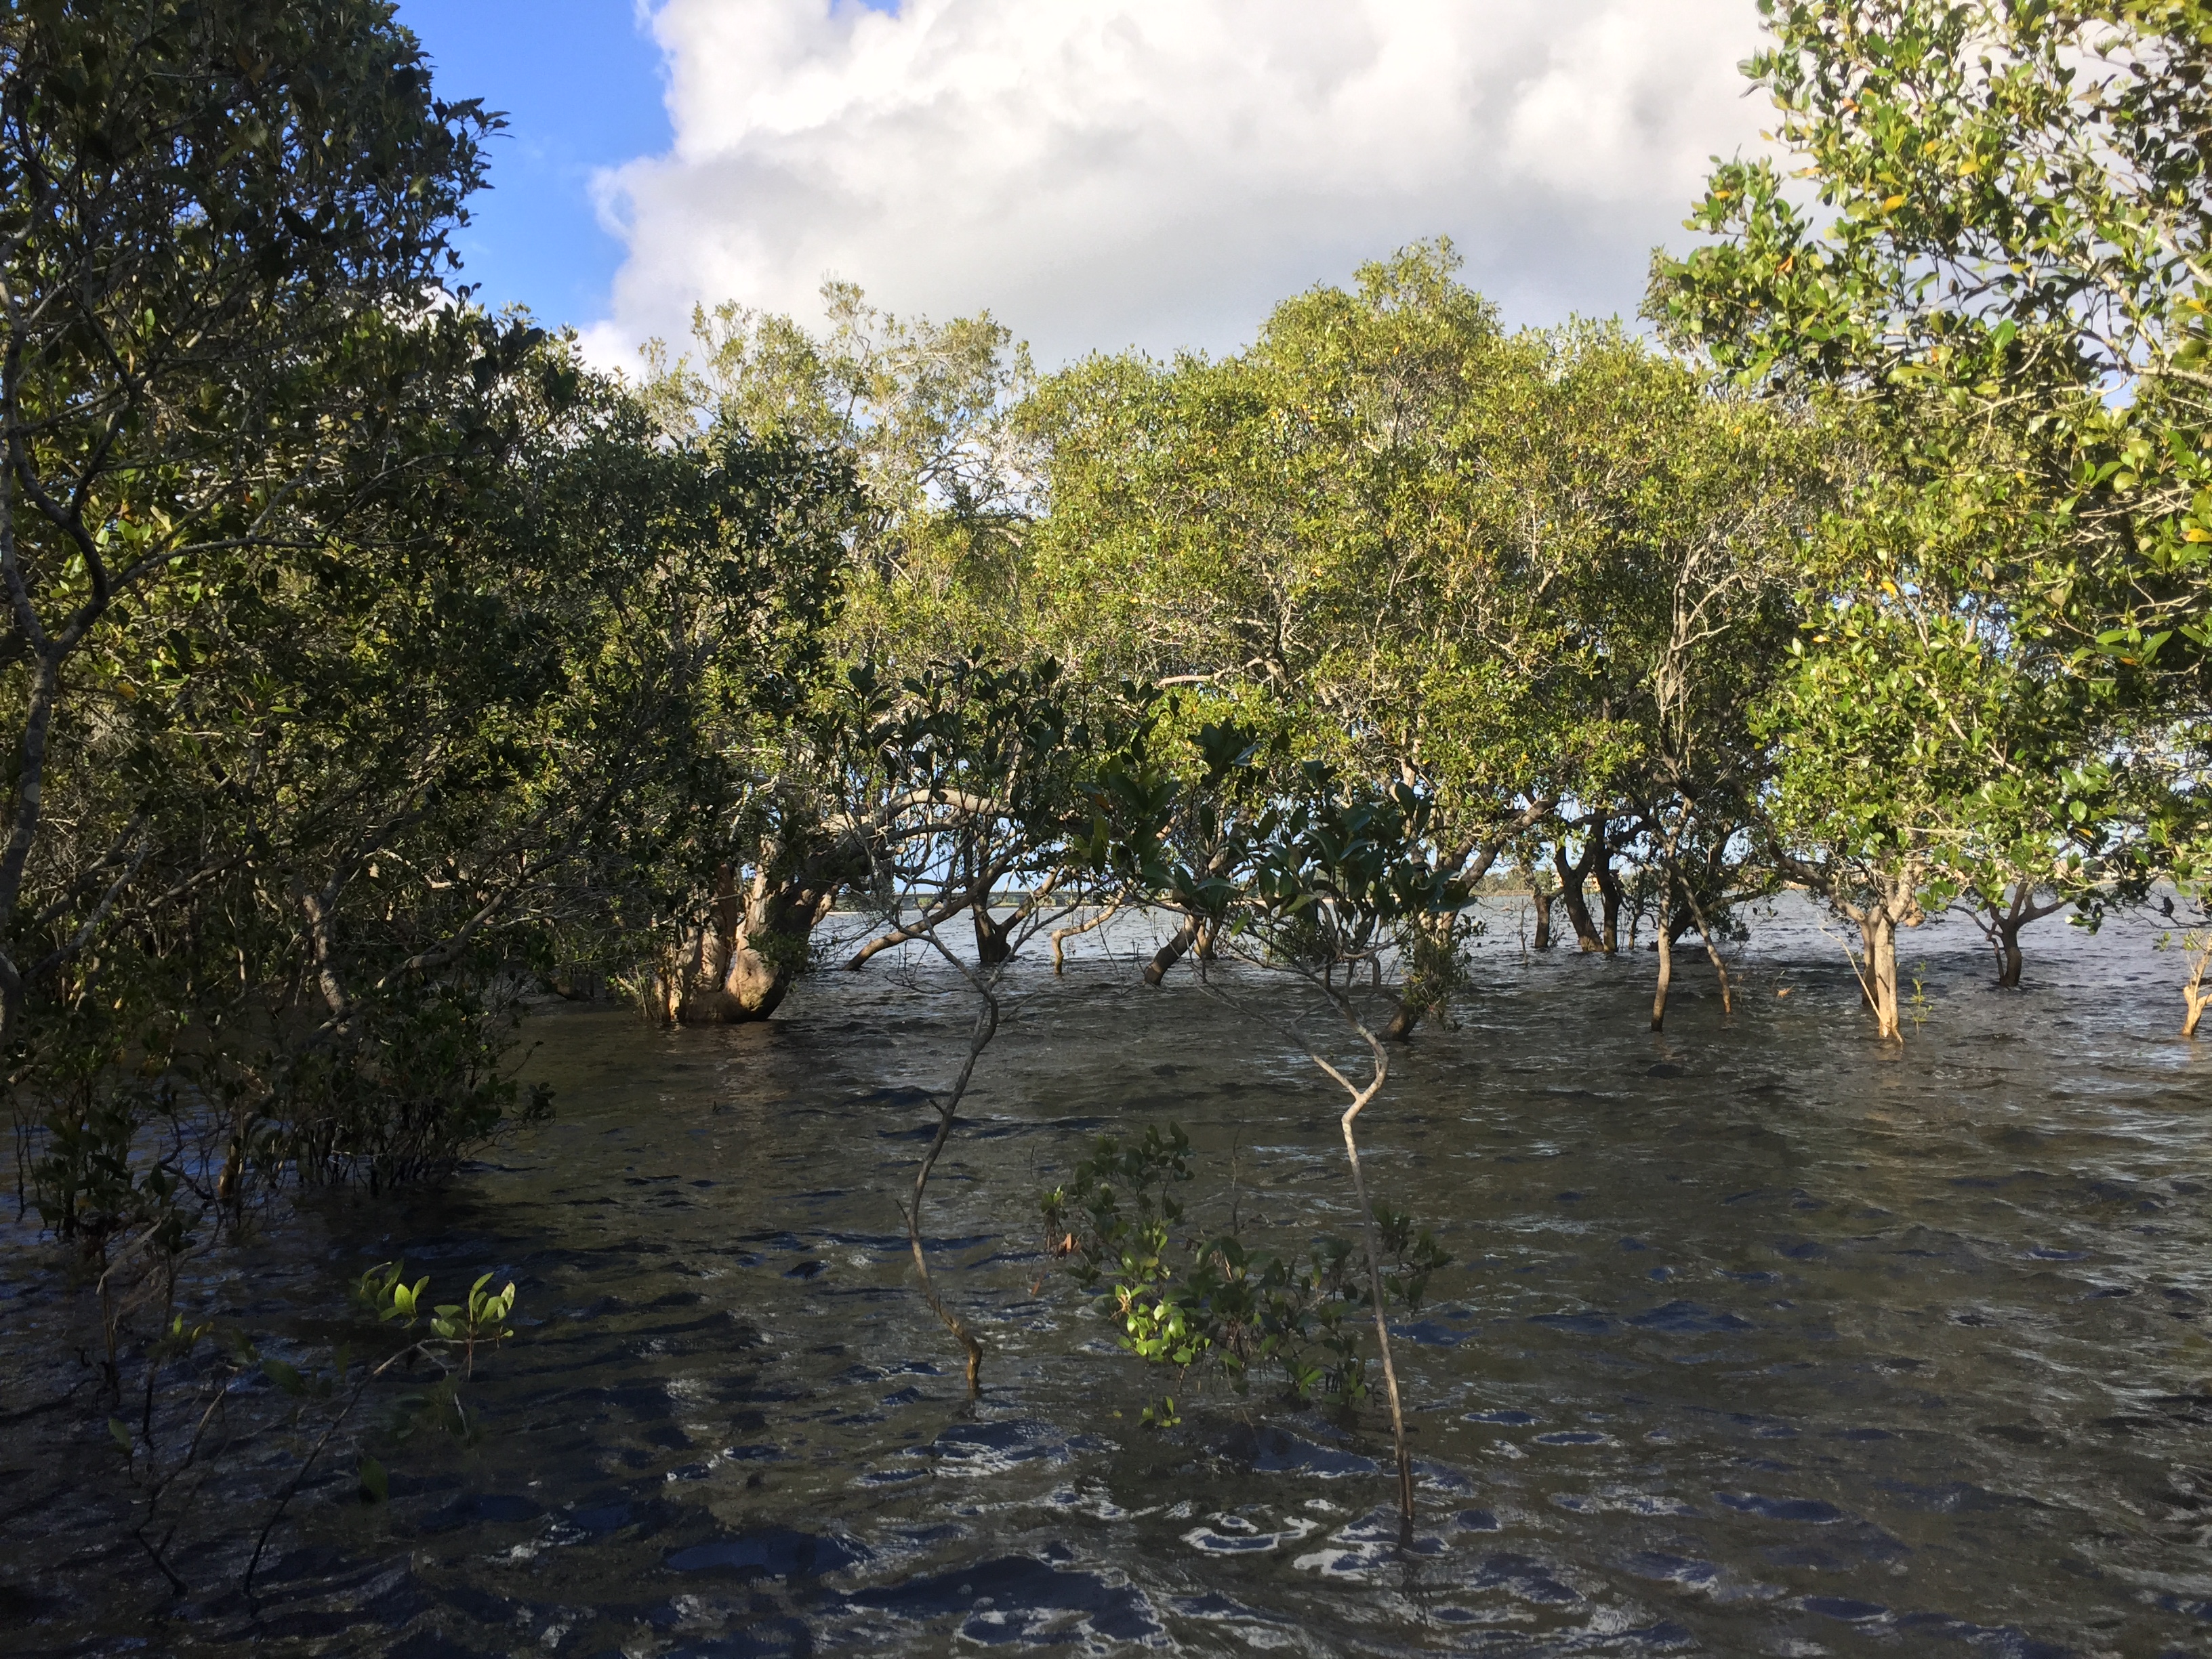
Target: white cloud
[1107,173]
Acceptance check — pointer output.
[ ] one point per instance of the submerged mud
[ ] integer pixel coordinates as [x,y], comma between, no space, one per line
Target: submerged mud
[1761,1338]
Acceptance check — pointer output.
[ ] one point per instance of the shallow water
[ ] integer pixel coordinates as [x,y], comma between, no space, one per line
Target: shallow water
[1762,1338]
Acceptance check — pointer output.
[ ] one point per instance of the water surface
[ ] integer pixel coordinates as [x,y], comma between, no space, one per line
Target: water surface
[1762,1338]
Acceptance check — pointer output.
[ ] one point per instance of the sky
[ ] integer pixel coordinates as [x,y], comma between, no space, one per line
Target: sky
[1098,174]
[583,84]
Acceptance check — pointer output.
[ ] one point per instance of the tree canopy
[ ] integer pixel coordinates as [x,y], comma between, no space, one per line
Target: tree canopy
[374,665]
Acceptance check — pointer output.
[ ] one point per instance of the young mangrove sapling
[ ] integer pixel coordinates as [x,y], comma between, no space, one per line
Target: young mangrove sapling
[1322,881]
[971,768]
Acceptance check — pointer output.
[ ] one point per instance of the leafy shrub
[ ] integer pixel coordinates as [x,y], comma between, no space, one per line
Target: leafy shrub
[1198,1303]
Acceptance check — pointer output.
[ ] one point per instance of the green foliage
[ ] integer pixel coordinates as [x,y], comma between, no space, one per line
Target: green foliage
[458,1329]
[371,783]
[214,1419]
[2014,202]
[1211,1304]
[1434,966]
[929,418]
[1999,296]
[1312,530]
[1510,570]
[966,785]
[201,204]
[1297,865]
[86,1187]
[368,661]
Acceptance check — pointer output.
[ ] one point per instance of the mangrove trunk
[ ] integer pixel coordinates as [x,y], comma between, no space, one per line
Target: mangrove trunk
[739,964]
[1572,877]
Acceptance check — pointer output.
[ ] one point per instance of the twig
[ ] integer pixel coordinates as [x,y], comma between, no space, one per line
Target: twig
[292,1489]
[1362,1097]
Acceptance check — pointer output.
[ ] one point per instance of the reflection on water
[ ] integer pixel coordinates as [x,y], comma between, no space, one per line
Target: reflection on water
[1762,1339]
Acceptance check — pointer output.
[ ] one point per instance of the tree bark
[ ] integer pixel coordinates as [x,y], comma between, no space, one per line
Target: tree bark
[1571,877]
[1373,1236]
[1361,1098]
[979,1038]
[1878,934]
[2195,994]
[739,966]
[25,822]
[1193,932]
[1712,948]
[930,917]
[991,947]
[1666,949]
[1890,901]
[322,952]
[1177,947]
[1061,935]
[2002,923]
[1609,887]
[1542,901]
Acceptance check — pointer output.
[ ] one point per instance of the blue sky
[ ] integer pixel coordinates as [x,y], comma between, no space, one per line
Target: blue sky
[581,82]
[1098,174]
